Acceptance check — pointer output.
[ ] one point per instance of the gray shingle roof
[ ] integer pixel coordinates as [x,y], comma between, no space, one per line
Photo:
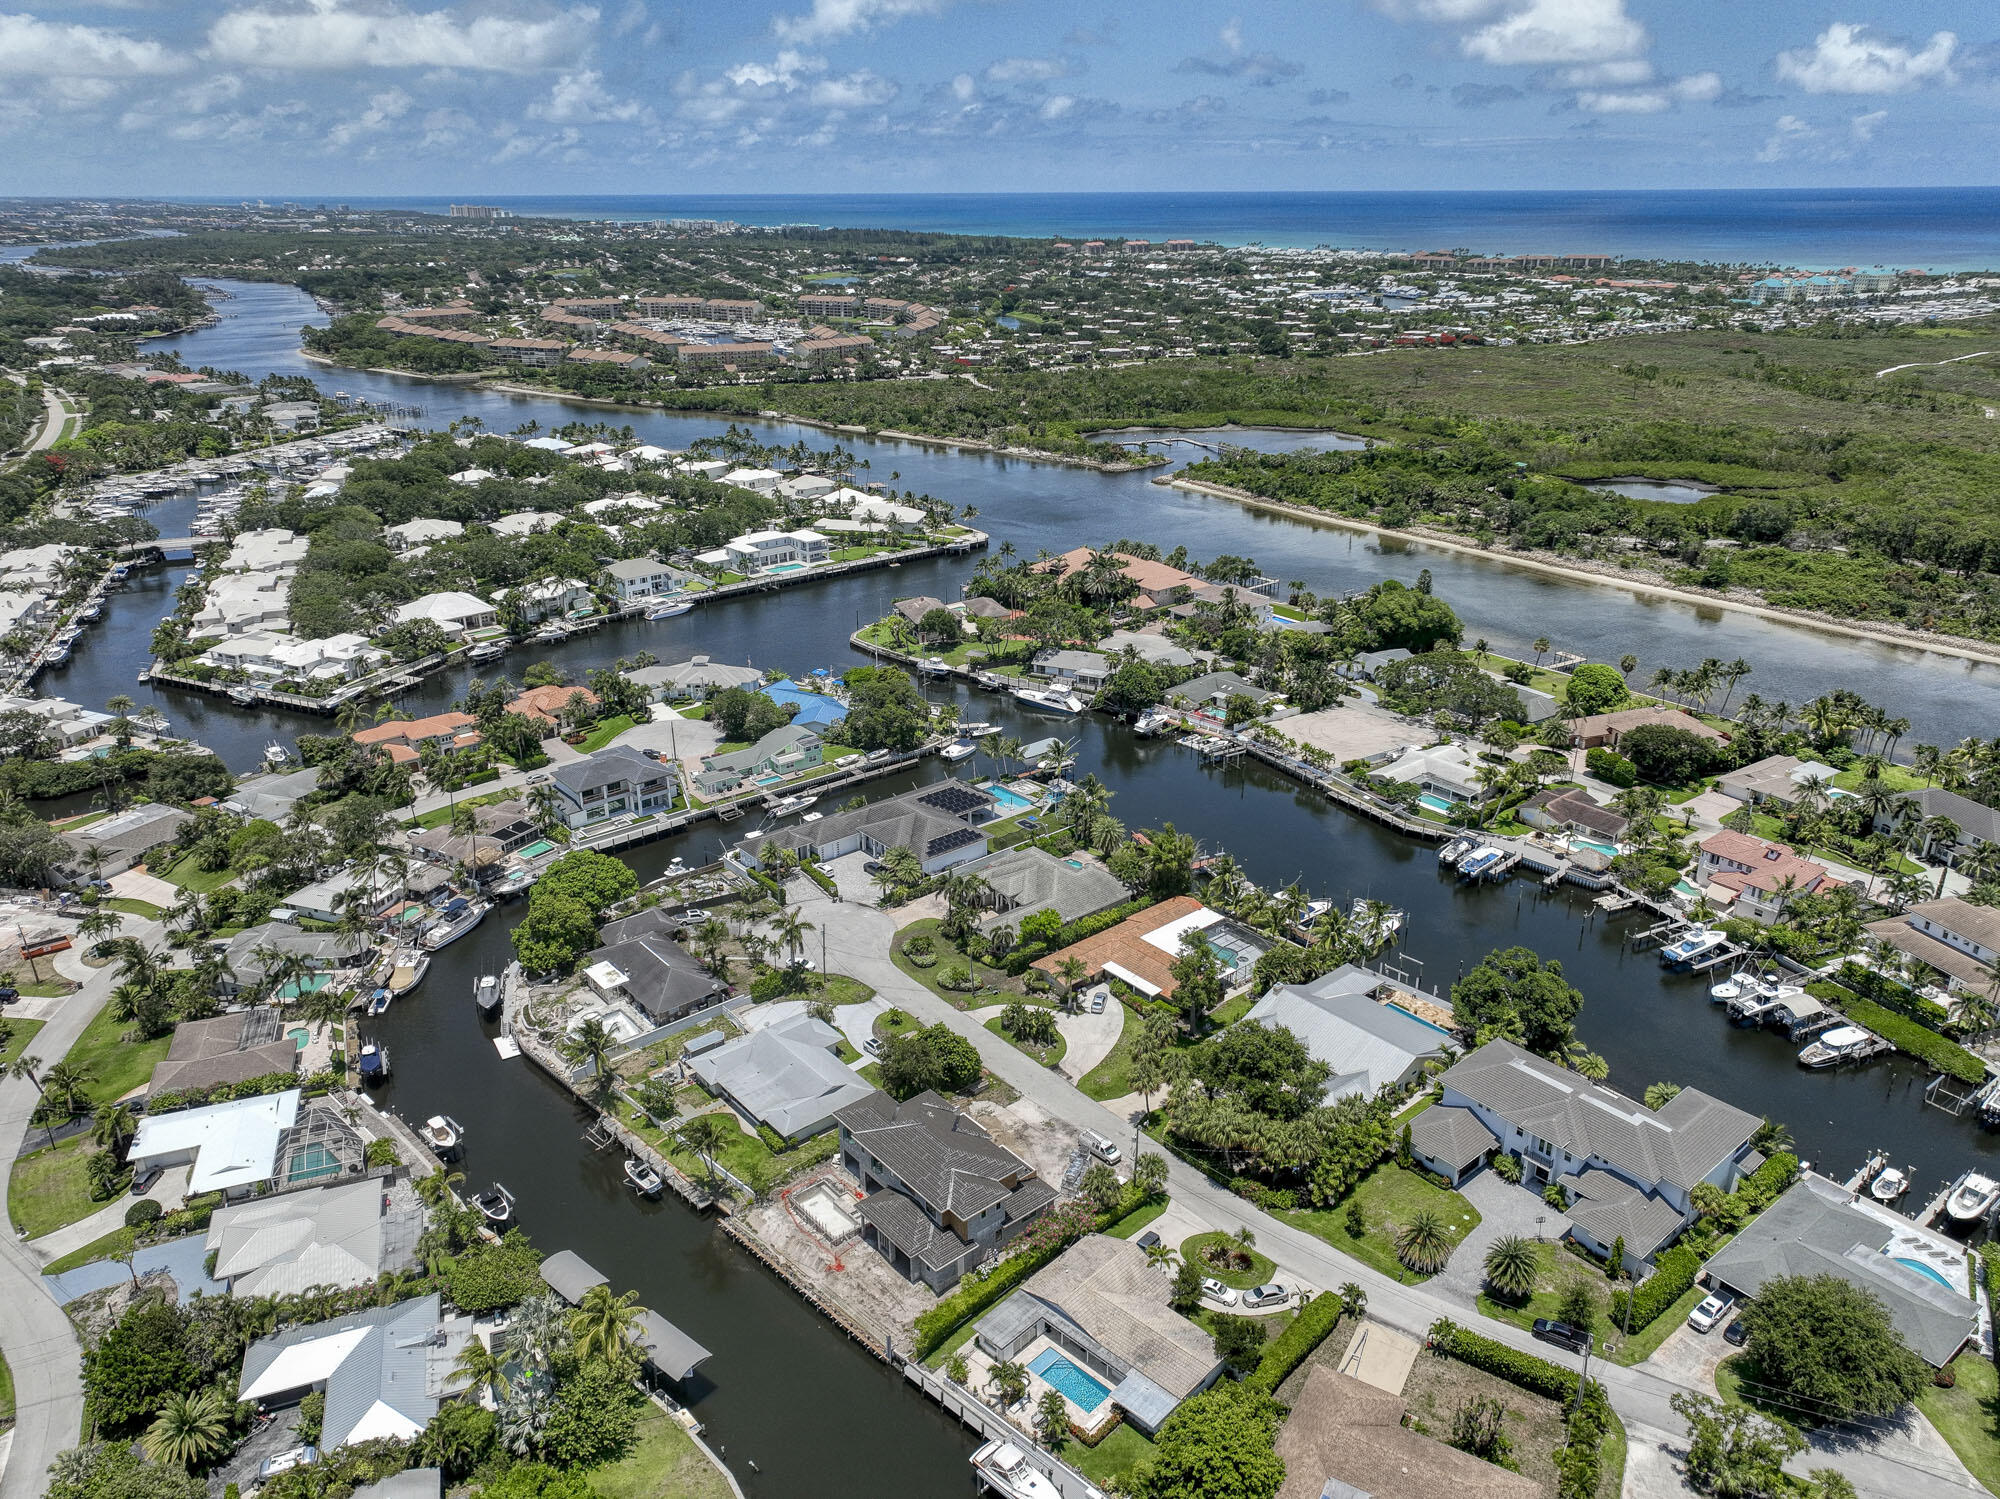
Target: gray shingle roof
[941,1155]
[1819,1228]
[1609,1208]
[785,1075]
[1033,879]
[1104,1287]
[618,762]
[1974,819]
[660,974]
[1368,1044]
[385,1369]
[1455,1136]
[1679,1144]
[906,821]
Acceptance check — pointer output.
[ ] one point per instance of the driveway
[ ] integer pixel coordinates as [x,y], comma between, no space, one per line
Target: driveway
[137,884]
[167,1192]
[1689,1358]
[1090,1037]
[687,738]
[1504,1209]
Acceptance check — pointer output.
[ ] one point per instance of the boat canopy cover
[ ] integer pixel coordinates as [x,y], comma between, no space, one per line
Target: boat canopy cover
[668,1349]
[570,1276]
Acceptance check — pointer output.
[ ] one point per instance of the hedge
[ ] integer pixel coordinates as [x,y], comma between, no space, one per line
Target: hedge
[1921,1042]
[819,877]
[1292,1347]
[1769,1181]
[1535,1375]
[1088,926]
[1673,1274]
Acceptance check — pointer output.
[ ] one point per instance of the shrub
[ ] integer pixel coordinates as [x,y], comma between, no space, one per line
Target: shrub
[1609,765]
[1535,1375]
[142,1212]
[1311,1327]
[1926,1045]
[1673,1275]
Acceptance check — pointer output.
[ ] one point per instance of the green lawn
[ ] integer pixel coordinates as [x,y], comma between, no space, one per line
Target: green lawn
[1134,1222]
[1048,1056]
[1968,1416]
[6,1391]
[116,1065]
[1558,1268]
[1389,1198]
[604,732]
[49,1190]
[438,817]
[1260,1270]
[23,1033]
[839,989]
[1110,1464]
[184,873]
[664,1463]
[145,910]
[116,1242]
[746,1157]
[989,979]
[1112,1077]
[1644,1343]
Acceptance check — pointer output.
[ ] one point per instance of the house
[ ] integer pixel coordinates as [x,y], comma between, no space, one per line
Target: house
[328,900]
[981,607]
[1604,730]
[384,1371]
[763,551]
[224,1050]
[403,739]
[1369,1045]
[696,677]
[784,1075]
[759,480]
[1951,937]
[530,351]
[1449,772]
[814,710]
[617,781]
[867,507]
[342,1235]
[1926,1282]
[637,578]
[246,953]
[1572,810]
[451,611]
[230,1148]
[523,523]
[1630,1171]
[807,487]
[293,416]
[1142,949]
[499,829]
[644,967]
[123,839]
[1749,876]
[549,598]
[546,705]
[1084,670]
[914,609]
[782,752]
[421,532]
[1775,777]
[1367,666]
[1346,1439]
[1211,693]
[1099,1304]
[939,1195]
[1023,881]
[1162,583]
[1155,650]
[1976,823]
[65,724]
[271,795]
[939,824]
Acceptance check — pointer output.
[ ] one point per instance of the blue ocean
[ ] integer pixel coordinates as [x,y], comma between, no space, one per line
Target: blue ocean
[1945,229]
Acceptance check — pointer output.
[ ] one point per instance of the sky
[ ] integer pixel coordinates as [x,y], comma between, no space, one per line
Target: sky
[389,97]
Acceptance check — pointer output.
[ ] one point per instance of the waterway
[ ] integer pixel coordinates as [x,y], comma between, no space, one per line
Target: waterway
[814,1412]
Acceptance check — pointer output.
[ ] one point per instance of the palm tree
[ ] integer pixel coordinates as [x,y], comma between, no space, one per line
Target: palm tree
[30,1068]
[1541,648]
[791,930]
[1353,1299]
[524,1416]
[1659,1095]
[481,1368]
[1423,1244]
[591,1048]
[1161,1256]
[705,1134]
[191,1431]
[66,1082]
[604,1324]
[111,1126]
[98,926]
[1511,1266]
[1008,1380]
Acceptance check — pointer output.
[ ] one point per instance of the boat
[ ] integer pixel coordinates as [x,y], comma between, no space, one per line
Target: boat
[1049,699]
[1890,1183]
[378,1002]
[959,750]
[407,971]
[1842,1043]
[1004,1469]
[977,730]
[276,754]
[668,611]
[58,653]
[1693,947]
[513,884]
[496,1203]
[486,994]
[1387,924]
[550,633]
[458,917]
[91,610]
[374,1063]
[641,1177]
[491,650]
[1476,864]
[812,817]
[1972,1198]
[442,1133]
[1742,984]
[1455,849]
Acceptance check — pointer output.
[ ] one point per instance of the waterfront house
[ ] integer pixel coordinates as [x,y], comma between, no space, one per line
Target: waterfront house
[1449,772]
[784,1075]
[1023,881]
[939,824]
[1603,730]
[1084,671]
[328,900]
[1369,1044]
[1142,949]
[782,752]
[1976,822]
[232,1147]
[65,725]
[812,710]
[616,781]
[1346,1439]
[1211,693]
[1953,938]
[758,480]
[762,551]
[939,1195]
[451,611]
[1144,645]
[341,1235]
[698,676]
[123,839]
[1570,810]
[807,487]
[1755,878]
[383,1371]
[1630,1171]
[547,705]
[914,609]
[1926,1282]
[224,1050]
[638,578]
[403,738]
[550,598]
[247,952]
[1100,1306]
[640,965]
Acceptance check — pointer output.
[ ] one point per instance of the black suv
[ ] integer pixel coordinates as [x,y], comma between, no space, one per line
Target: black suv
[1575,1339]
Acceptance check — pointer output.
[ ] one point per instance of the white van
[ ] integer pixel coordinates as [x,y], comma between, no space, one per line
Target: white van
[1100,1147]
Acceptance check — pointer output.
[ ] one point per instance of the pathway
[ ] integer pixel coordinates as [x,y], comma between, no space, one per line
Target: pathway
[167,1192]
[1931,364]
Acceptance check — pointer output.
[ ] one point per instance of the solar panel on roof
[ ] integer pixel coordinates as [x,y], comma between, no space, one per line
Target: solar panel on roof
[957,839]
[957,800]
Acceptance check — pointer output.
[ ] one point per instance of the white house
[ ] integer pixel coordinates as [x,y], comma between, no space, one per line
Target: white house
[523,523]
[452,611]
[860,505]
[1444,770]
[551,598]
[471,476]
[638,578]
[269,550]
[238,603]
[807,487]
[421,532]
[228,1147]
[762,480]
[613,504]
[761,550]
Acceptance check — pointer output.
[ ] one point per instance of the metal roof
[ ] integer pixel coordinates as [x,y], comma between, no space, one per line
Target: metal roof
[570,1276]
[667,1348]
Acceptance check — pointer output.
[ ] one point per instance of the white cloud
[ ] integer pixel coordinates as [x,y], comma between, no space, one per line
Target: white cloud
[1863,127]
[832,18]
[784,71]
[1850,59]
[48,49]
[1622,74]
[1697,88]
[446,127]
[383,110]
[1794,139]
[1440,12]
[1029,69]
[580,98]
[1232,34]
[963,88]
[1056,106]
[326,35]
[1559,31]
[861,90]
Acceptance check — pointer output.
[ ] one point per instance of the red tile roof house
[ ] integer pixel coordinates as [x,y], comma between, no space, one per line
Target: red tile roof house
[1758,878]
[402,736]
[548,703]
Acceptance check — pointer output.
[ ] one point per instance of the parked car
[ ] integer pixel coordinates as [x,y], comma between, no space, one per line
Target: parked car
[142,1181]
[873,1046]
[1271,1294]
[1736,1334]
[1098,997]
[8,994]
[874,866]
[1214,1290]
[1712,1310]
[1562,1334]
[1147,1239]
[284,1462]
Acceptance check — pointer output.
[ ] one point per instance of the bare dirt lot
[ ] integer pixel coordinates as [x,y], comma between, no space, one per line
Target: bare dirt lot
[1352,731]
[1027,1130]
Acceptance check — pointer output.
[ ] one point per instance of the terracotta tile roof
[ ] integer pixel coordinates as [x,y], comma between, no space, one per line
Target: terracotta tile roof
[548,702]
[1124,945]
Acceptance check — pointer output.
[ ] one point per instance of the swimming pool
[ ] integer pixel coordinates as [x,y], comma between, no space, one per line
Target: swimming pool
[300,1036]
[786,567]
[1437,804]
[312,1163]
[1610,851]
[299,988]
[1082,1388]
[1922,1269]
[536,849]
[1010,802]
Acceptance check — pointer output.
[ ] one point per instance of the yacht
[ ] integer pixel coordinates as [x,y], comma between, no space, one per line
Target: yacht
[407,971]
[641,1177]
[668,611]
[960,750]
[276,754]
[490,650]
[1693,947]
[1003,1468]
[934,666]
[1049,699]
[458,917]
[442,1133]
[374,1063]
[1890,1183]
[497,1203]
[1842,1043]
[486,994]
[1972,1198]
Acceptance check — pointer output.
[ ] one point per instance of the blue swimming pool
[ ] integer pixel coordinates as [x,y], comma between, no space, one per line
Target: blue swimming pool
[1917,1265]
[1436,804]
[1596,846]
[1010,802]
[786,567]
[1079,1386]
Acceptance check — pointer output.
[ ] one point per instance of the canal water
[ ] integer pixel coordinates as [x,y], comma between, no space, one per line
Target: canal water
[815,1413]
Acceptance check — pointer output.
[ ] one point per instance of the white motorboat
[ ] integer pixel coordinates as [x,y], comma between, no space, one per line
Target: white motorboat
[641,1177]
[1049,699]
[458,917]
[1455,849]
[490,650]
[1386,924]
[378,1002]
[486,994]
[934,666]
[1838,1045]
[1693,947]
[1890,1183]
[961,750]
[242,695]
[977,730]
[1972,1198]
[496,1203]
[276,754]
[668,611]
[408,970]
[1480,862]
[442,1133]
[1004,1469]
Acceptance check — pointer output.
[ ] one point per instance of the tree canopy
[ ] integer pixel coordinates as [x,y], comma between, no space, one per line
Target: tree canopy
[1217,1445]
[1515,994]
[1830,1346]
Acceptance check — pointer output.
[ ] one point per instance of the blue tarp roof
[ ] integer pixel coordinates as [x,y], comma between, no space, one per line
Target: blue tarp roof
[816,709]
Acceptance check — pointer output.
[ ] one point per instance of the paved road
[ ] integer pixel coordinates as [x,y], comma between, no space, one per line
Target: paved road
[41,1347]
[55,416]
[1886,1465]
